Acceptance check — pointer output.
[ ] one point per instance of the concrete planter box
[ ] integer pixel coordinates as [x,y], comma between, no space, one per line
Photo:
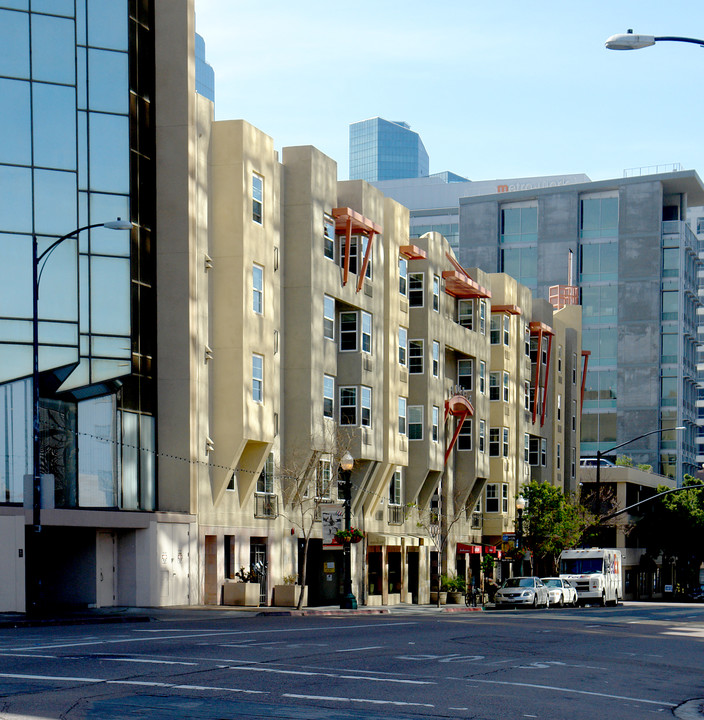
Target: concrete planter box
[237,593]
[288,595]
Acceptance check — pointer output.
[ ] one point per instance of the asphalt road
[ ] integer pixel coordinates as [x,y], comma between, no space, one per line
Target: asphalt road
[630,663]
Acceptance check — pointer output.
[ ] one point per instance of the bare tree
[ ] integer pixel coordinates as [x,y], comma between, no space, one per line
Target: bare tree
[308,480]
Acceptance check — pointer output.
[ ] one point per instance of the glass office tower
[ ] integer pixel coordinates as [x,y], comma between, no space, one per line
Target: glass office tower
[384,150]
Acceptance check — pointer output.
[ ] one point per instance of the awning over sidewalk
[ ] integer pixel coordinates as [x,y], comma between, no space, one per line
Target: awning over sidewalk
[386,539]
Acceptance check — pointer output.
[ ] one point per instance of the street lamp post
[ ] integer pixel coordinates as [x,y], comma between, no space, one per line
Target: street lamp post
[521,503]
[349,601]
[37,271]
[600,453]
[629,41]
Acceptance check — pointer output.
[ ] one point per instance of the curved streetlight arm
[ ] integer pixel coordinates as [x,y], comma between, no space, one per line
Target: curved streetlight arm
[676,38]
[630,507]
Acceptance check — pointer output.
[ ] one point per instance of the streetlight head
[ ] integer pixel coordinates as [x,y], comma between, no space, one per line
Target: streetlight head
[629,41]
[347,461]
[680,427]
[521,503]
[118,224]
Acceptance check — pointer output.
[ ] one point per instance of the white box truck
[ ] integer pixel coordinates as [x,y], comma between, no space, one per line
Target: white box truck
[597,573]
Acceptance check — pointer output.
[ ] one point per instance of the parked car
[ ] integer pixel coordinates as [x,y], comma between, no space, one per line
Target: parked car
[560,592]
[522,591]
[592,462]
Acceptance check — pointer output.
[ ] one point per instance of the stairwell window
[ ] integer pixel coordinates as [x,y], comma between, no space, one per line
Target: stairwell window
[366,332]
[482,377]
[257,198]
[482,436]
[403,277]
[402,346]
[366,406]
[482,317]
[329,317]
[436,423]
[436,358]
[402,404]
[257,378]
[436,293]
[257,289]
[328,396]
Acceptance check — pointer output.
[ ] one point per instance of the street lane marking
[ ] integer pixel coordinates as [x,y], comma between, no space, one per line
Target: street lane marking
[140,683]
[357,700]
[335,675]
[29,655]
[152,662]
[208,633]
[571,690]
[371,647]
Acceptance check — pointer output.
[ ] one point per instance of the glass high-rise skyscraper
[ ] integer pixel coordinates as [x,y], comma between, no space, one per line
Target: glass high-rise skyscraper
[385,150]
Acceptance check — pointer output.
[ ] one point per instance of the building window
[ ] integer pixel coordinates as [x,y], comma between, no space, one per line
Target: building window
[265,481]
[366,332]
[507,330]
[491,498]
[348,331]
[436,293]
[574,368]
[495,385]
[504,444]
[505,386]
[348,406]
[559,408]
[402,346]
[257,198]
[526,340]
[504,498]
[574,416]
[558,458]
[482,436]
[329,237]
[495,330]
[526,395]
[328,396]
[323,480]
[436,423]
[436,358]
[482,317]
[573,463]
[353,252]
[465,373]
[465,313]
[415,422]
[258,289]
[402,402]
[329,317]
[559,358]
[366,406]
[396,488]
[494,442]
[415,356]
[257,378]
[534,451]
[482,377]
[464,439]
[526,448]
[543,452]
[364,243]
[415,289]
[403,276]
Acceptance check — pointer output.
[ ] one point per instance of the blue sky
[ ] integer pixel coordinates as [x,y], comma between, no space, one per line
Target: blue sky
[508,89]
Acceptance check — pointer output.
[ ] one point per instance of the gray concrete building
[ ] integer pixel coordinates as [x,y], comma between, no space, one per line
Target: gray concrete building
[626,245]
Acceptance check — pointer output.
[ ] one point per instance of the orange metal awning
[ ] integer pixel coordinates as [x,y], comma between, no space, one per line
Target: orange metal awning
[510,309]
[462,286]
[412,252]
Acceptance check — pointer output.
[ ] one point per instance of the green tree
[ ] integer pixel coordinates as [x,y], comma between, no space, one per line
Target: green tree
[673,526]
[551,523]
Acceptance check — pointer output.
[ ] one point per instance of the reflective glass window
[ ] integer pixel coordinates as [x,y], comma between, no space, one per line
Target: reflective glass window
[109,153]
[15,111]
[54,7]
[16,199]
[15,276]
[670,262]
[15,4]
[55,207]
[53,50]
[107,24]
[147,463]
[108,85]
[130,461]
[110,295]
[81,78]
[97,461]
[58,282]
[54,126]
[104,208]
[14,40]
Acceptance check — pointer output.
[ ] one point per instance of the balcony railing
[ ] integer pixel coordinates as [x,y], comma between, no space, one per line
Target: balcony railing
[266,505]
[396,515]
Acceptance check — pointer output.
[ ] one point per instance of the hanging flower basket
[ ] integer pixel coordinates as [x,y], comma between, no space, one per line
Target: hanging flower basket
[353,535]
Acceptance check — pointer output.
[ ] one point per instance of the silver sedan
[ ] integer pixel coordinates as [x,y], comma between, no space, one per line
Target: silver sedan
[528,591]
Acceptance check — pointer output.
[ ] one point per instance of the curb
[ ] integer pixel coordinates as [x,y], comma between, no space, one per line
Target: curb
[301,613]
[55,622]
